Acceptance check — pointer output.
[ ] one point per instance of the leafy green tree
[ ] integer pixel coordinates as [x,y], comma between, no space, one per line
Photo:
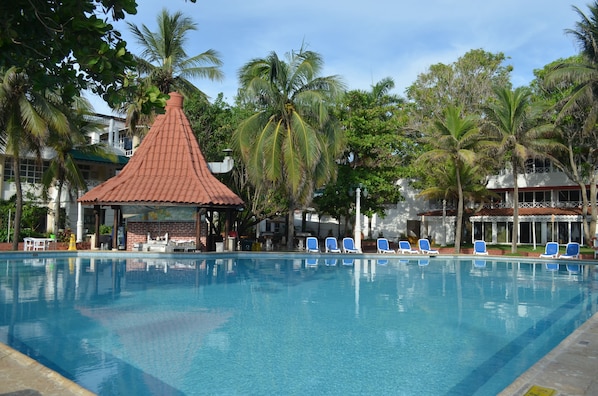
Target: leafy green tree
[467,83]
[454,139]
[377,154]
[292,139]
[443,186]
[164,60]
[26,116]
[212,123]
[67,46]
[514,122]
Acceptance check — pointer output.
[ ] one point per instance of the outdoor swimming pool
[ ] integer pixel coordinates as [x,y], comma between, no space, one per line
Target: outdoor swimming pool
[254,324]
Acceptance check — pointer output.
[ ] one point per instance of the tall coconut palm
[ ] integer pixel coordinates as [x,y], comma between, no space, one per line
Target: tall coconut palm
[513,121]
[26,115]
[577,79]
[454,139]
[62,167]
[292,140]
[164,59]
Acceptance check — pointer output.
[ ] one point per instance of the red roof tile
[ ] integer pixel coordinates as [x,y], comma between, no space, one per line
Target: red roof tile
[168,168]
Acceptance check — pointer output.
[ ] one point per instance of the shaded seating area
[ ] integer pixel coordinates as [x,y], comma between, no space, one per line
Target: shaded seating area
[167,173]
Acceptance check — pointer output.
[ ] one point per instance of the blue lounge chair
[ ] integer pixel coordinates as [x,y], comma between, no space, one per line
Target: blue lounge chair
[382,262]
[311,245]
[479,247]
[383,246]
[331,245]
[571,251]
[349,246]
[551,250]
[405,247]
[424,247]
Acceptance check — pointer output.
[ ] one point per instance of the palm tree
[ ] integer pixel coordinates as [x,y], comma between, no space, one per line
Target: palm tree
[577,79]
[512,120]
[63,168]
[292,141]
[454,139]
[445,184]
[164,59]
[25,118]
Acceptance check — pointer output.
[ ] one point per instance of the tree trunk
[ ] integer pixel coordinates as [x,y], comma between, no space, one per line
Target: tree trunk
[19,203]
[515,232]
[459,213]
[56,225]
[291,229]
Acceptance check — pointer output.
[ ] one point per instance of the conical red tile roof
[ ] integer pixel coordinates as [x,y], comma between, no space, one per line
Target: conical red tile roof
[168,168]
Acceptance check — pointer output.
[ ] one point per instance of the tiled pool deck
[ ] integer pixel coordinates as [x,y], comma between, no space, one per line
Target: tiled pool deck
[23,376]
[569,369]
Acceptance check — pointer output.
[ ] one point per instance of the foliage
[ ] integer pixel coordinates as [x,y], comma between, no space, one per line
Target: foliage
[105,229]
[212,123]
[467,83]
[292,139]
[33,219]
[454,140]
[67,46]
[26,116]
[378,152]
[164,60]
[514,122]
[572,84]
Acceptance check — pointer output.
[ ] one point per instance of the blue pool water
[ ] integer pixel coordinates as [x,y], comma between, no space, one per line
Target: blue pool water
[272,324]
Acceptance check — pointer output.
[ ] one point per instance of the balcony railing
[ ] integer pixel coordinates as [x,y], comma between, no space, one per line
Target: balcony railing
[503,205]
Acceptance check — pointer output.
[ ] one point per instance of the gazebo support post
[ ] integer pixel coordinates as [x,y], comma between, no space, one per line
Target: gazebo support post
[197,228]
[115,225]
[96,214]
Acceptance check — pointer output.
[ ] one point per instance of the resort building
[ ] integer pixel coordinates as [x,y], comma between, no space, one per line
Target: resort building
[549,210]
[95,170]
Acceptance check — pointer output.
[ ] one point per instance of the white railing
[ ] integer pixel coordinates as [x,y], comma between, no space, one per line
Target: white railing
[547,204]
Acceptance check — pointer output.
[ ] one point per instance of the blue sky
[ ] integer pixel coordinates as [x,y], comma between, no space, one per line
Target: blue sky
[364,42]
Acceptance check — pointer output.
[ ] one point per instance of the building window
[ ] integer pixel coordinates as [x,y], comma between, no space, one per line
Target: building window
[31,170]
[569,196]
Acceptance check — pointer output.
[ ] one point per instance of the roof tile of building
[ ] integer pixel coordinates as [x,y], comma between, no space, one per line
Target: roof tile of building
[168,168]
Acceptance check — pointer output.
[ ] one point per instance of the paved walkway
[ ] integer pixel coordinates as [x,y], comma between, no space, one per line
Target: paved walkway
[569,369]
[23,376]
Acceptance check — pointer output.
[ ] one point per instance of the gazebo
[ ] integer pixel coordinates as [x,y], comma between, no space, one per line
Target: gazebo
[168,170]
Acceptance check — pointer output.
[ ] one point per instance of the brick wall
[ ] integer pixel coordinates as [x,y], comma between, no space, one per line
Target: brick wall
[182,230]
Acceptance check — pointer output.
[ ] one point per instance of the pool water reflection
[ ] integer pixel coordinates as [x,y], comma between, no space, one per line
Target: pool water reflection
[275,324]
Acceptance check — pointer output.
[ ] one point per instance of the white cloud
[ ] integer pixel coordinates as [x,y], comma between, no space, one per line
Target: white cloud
[364,42]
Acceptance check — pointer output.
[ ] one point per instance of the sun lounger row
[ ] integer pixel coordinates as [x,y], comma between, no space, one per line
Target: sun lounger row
[552,251]
[382,246]
[331,245]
